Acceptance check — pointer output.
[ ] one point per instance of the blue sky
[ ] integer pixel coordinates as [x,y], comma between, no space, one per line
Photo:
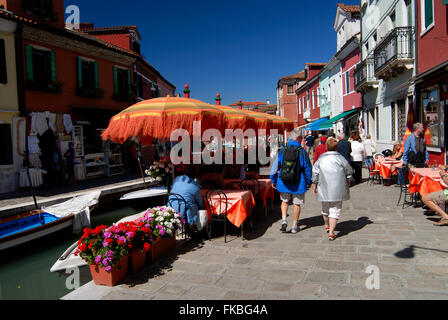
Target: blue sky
[237,47]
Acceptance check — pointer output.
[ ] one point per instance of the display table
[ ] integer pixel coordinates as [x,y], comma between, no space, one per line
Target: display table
[35,176]
[239,205]
[425,181]
[266,189]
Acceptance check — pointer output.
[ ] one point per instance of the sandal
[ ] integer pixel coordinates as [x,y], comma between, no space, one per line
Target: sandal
[331,237]
[327,229]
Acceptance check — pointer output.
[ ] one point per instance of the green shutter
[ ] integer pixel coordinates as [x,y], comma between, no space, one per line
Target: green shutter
[129,83]
[79,72]
[429,17]
[29,63]
[115,80]
[444,2]
[97,81]
[53,66]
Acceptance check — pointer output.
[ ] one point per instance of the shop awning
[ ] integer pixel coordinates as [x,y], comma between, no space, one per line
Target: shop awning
[329,124]
[315,126]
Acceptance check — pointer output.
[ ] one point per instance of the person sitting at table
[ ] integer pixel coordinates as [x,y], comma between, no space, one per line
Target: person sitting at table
[415,152]
[189,189]
[434,200]
[396,153]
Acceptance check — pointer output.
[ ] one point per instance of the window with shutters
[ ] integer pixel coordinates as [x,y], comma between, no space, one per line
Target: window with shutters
[40,8]
[122,84]
[5,145]
[3,69]
[41,70]
[427,14]
[290,89]
[401,112]
[88,81]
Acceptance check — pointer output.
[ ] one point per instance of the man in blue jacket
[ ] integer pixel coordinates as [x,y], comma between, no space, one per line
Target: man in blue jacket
[415,152]
[295,192]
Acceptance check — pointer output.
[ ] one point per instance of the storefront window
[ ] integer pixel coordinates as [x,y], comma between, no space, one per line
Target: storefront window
[433,117]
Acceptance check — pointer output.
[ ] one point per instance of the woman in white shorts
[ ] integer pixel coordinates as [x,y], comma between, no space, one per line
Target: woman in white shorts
[332,175]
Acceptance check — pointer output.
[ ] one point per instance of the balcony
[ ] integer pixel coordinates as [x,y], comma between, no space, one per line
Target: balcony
[365,75]
[395,53]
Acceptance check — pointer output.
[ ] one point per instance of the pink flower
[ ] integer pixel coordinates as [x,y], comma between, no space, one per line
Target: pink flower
[108,269]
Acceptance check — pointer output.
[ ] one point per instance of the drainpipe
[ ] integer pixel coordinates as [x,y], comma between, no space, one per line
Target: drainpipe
[20,69]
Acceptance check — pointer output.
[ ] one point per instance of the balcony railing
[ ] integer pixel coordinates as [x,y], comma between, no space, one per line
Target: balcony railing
[396,47]
[365,73]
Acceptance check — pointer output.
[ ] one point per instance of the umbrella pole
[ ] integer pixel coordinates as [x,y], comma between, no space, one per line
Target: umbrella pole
[140,166]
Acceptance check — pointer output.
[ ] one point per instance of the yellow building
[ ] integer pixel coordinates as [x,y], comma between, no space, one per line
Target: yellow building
[11,127]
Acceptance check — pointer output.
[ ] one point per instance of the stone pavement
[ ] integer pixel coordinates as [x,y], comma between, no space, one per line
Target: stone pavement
[411,254]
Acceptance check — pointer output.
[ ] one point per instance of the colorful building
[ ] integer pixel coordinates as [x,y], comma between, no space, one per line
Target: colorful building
[385,73]
[287,99]
[431,82]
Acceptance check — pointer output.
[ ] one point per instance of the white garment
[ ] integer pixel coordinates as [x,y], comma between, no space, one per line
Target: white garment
[358,151]
[332,210]
[67,120]
[35,176]
[51,120]
[39,123]
[202,221]
[369,145]
[33,144]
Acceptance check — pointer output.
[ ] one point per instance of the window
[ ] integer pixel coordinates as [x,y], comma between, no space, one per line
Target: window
[290,89]
[300,106]
[122,84]
[313,99]
[347,82]
[427,9]
[88,82]
[39,8]
[401,112]
[135,46]
[41,70]
[433,116]
[377,120]
[138,85]
[3,70]
[5,145]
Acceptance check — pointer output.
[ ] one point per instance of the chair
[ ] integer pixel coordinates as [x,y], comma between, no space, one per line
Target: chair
[233,185]
[373,174]
[403,182]
[217,213]
[210,185]
[176,199]
[253,186]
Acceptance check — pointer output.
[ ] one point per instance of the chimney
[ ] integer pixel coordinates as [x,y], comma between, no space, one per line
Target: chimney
[256,108]
[187,91]
[240,105]
[268,101]
[218,99]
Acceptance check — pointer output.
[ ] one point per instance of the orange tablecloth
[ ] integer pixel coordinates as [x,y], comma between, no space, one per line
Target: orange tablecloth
[388,167]
[425,181]
[239,205]
[266,189]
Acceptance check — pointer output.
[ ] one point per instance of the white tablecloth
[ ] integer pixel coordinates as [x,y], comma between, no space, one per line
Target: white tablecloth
[35,175]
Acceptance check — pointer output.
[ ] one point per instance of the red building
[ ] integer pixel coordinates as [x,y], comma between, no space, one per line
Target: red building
[431,82]
[286,96]
[308,95]
[149,83]
[351,98]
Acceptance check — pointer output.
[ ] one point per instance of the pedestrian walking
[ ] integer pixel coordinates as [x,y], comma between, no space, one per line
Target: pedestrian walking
[358,156]
[321,149]
[332,175]
[344,147]
[415,153]
[291,175]
[309,143]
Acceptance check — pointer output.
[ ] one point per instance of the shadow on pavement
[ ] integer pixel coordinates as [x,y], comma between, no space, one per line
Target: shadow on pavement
[347,227]
[409,252]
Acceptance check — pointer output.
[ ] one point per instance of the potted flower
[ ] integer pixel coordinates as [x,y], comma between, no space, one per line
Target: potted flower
[160,172]
[164,222]
[139,237]
[106,252]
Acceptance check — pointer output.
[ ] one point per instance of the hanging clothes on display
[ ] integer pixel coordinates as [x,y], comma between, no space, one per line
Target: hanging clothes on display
[67,119]
[39,123]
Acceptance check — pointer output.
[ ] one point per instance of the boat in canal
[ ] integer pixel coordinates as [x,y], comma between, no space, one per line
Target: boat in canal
[22,228]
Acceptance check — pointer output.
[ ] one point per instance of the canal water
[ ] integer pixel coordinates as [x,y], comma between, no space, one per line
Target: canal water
[25,270]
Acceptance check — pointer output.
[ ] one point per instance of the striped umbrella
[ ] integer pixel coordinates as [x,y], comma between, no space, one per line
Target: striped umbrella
[262,120]
[237,119]
[159,117]
[280,123]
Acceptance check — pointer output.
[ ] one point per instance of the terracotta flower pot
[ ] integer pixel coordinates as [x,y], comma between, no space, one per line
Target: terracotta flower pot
[103,278]
[161,247]
[136,261]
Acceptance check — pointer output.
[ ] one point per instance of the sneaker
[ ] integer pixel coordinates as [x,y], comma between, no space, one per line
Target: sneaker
[442,222]
[284,226]
[294,230]
[331,237]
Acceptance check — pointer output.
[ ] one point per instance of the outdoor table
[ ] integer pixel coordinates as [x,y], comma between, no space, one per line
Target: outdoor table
[239,205]
[266,190]
[425,181]
[387,167]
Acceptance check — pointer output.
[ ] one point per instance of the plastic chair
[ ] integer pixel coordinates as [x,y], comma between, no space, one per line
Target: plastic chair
[217,214]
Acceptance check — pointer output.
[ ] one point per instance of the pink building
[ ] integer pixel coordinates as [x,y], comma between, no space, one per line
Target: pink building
[351,98]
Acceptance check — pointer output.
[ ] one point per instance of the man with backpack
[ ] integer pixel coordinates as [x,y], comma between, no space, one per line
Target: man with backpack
[291,175]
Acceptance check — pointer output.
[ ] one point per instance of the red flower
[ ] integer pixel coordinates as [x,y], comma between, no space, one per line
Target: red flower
[83,247]
[147,246]
[90,245]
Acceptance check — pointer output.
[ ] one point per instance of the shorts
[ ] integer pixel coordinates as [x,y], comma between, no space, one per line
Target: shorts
[438,197]
[297,199]
[332,209]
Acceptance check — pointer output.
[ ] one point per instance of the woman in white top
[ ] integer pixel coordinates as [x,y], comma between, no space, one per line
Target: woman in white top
[358,155]
[369,145]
